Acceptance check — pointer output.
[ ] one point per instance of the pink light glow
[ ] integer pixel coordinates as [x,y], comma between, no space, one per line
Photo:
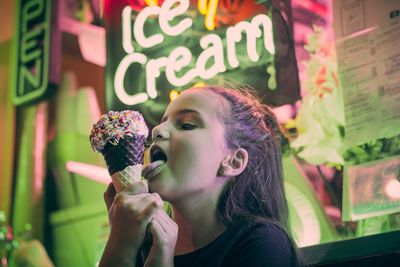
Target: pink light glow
[358,33]
[92,172]
[92,42]
[392,189]
[314,6]
[283,113]
[39,151]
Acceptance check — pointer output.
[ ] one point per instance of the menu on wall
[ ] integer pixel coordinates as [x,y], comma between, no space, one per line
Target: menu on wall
[367,35]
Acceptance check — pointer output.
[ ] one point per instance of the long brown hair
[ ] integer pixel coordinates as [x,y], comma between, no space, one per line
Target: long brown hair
[258,191]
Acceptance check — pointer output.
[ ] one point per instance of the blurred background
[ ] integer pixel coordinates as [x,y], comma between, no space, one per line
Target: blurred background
[330,70]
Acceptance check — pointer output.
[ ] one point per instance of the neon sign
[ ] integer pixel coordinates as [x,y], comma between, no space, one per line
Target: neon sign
[33,54]
[216,55]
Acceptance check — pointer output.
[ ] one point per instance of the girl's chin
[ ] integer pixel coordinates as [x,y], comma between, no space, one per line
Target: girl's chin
[164,190]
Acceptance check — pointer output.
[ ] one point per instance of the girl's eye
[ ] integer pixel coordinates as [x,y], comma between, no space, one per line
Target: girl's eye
[187,126]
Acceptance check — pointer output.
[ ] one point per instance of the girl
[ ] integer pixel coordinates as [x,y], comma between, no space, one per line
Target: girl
[216,159]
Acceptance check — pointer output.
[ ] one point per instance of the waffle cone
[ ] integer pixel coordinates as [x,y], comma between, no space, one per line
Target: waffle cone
[125,160]
[126,177]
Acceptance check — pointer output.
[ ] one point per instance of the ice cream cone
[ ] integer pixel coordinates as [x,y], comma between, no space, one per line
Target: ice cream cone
[120,137]
[125,160]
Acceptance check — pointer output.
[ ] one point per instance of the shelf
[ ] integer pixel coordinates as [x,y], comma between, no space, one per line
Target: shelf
[361,247]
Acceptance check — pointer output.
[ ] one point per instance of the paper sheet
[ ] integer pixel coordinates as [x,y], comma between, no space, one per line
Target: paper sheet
[367,37]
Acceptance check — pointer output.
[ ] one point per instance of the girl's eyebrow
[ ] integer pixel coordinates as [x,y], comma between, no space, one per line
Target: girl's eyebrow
[182,112]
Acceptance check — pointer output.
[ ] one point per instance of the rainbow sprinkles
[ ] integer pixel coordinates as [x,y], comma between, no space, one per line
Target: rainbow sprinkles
[116,125]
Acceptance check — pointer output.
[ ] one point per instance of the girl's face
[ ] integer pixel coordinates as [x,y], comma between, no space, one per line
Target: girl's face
[192,142]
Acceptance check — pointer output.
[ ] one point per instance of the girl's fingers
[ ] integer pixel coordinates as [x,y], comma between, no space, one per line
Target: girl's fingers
[157,217]
[162,250]
[148,206]
[157,232]
[167,224]
[164,220]
[132,189]
[139,207]
[164,235]
[137,188]
[168,220]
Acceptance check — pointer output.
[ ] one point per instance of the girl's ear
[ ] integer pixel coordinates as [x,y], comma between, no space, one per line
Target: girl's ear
[234,164]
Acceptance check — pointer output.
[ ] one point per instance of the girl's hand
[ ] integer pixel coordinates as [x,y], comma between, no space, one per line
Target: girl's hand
[164,232]
[130,212]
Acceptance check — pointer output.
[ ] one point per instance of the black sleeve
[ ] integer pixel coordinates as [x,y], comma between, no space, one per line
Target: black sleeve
[264,246]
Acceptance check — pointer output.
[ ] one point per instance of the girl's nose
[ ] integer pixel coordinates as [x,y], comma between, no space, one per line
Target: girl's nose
[160,132]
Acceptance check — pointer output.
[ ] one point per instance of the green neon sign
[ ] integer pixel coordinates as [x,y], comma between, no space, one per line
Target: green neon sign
[33,78]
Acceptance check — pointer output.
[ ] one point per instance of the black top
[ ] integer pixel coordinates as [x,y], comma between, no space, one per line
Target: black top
[257,244]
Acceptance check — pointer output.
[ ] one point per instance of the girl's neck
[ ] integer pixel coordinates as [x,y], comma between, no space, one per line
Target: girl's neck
[197,221]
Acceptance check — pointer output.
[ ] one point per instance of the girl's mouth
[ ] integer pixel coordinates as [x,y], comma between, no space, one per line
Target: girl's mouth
[158,160]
